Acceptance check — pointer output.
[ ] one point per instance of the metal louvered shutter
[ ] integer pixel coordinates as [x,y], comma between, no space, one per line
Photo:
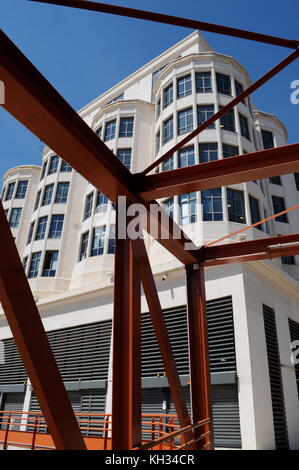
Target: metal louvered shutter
[226,419]
[13,402]
[294,332]
[220,333]
[277,395]
[93,401]
[13,370]
[152,403]
[82,352]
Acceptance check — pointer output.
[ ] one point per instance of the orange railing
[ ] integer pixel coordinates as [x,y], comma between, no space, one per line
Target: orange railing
[159,431]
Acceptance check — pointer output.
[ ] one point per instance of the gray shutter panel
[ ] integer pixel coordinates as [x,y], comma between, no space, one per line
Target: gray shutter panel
[13,370]
[294,332]
[13,402]
[152,403]
[227,432]
[93,401]
[277,395]
[82,352]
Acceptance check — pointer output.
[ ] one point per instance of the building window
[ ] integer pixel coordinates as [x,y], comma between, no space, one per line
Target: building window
[15,216]
[168,164]
[56,226]
[168,206]
[111,241]
[62,193]
[223,84]
[185,121]
[203,82]
[10,191]
[230,150]
[255,211]
[37,199]
[50,264]
[65,167]
[227,121]
[30,233]
[126,127]
[236,206]
[205,112]
[124,155]
[275,180]
[158,141]
[187,204]
[168,130]
[41,228]
[83,246]
[158,109]
[53,167]
[118,98]
[212,204]
[208,152]
[88,206]
[43,172]
[34,264]
[279,206]
[48,194]
[25,261]
[101,202]
[22,189]
[98,241]
[296,176]
[184,86]
[268,142]
[244,126]
[186,156]
[288,260]
[167,96]
[110,130]
[239,89]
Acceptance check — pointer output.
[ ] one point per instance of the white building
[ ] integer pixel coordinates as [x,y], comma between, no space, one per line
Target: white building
[64,230]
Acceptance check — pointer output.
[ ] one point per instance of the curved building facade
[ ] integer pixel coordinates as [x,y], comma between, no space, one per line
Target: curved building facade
[64,230]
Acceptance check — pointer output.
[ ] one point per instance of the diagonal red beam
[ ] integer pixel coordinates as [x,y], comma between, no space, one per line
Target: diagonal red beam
[247,167]
[31,99]
[173,20]
[251,247]
[265,78]
[32,342]
[152,298]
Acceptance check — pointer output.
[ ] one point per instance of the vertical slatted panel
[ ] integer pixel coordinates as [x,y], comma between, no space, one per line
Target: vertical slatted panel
[81,352]
[277,395]
[294,332]
[227,432]
[13,370]
[93,401]
[13,402]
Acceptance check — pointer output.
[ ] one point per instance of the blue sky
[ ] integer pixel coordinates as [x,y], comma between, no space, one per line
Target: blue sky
[83,53]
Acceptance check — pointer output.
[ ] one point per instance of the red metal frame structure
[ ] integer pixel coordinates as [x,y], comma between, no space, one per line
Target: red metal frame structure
[36,104]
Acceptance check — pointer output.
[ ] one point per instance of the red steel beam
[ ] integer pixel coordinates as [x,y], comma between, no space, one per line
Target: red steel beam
[173,20]
[200,377]
[275,252]
[33,345]
[150,290]
[265,78]
[251,247]
[228,171]
[31,99]
[126,380]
